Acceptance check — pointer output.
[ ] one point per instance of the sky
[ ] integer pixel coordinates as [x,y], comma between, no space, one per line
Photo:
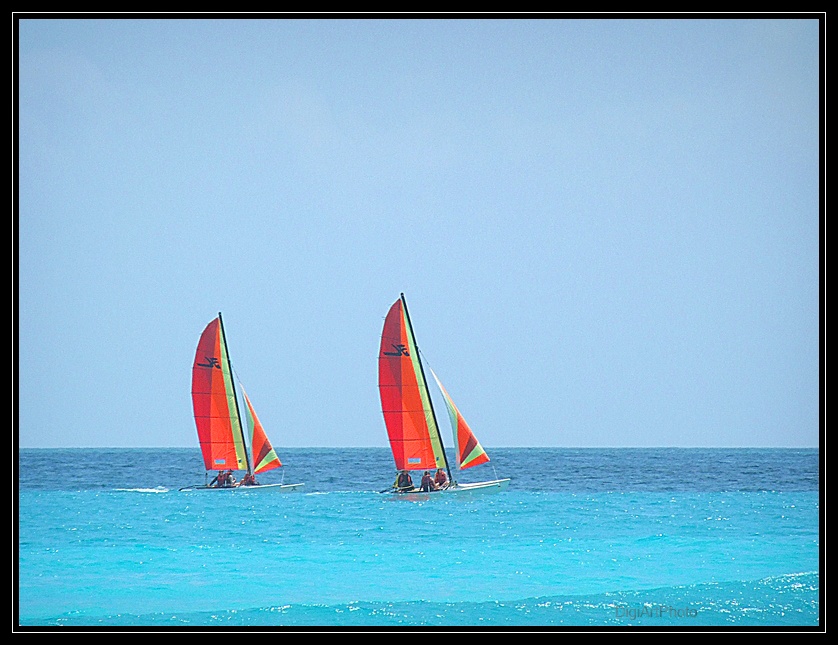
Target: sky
[607,230]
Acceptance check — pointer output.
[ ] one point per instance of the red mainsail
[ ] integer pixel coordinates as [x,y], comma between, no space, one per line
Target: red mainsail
[214,403]
[405,401]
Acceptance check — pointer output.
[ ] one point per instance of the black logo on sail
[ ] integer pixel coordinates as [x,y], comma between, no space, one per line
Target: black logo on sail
[212,361]
[401,350]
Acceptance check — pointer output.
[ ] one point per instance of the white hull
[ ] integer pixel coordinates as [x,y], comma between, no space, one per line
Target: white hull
[477,488]
[275,488]
[494,486]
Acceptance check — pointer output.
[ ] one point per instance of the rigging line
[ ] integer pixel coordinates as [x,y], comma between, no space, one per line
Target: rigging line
[495,470]
[427,362]
[236,374]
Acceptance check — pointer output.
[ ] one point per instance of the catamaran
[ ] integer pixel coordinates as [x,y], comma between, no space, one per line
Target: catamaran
[409,413]
[220,431]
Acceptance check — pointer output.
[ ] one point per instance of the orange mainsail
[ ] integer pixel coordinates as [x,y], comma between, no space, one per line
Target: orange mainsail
[405,400]
[214,403]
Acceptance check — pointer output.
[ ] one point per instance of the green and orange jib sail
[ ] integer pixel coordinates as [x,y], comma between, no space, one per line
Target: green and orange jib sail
[468,449]
[264,456]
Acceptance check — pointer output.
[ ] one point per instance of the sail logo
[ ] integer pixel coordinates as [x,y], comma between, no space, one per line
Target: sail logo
[212,361]
[401,350]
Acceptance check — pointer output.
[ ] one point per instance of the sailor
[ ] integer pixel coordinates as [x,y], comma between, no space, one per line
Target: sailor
[403,481]
[249,480]
[440,479]
[428,482]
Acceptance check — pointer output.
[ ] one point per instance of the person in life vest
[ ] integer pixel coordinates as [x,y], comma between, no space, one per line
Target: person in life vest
[441,479]
[403,481]
[428,483]
[224,479]
[249,480]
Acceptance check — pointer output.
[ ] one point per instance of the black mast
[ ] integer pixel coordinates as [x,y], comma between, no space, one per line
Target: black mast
[235,396]
[425,380]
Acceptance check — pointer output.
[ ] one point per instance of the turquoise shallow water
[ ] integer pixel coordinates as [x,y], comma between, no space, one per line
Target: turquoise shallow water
[638,538]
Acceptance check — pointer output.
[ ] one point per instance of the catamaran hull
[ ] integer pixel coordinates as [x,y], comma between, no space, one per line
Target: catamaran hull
[261,488]
[464,490]
[495,486]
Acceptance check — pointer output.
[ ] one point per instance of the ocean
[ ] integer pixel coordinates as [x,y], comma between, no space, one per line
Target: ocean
[612,539]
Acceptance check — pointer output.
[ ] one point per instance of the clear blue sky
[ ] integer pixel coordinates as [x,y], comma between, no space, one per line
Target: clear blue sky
[607,231]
